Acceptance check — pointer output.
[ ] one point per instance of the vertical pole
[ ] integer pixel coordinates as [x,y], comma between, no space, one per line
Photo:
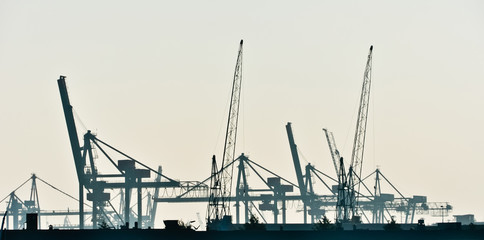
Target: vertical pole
[377,206]
[442,210]
[413,212]
[238,191]
[81,206]
[283,208]
[246,210]
[94,209]
[407,213]
[140,210]
[121,205]
[155,204]
[305,211]
[246,190]
[127,211]
[15,208]
[237,208]
[275,209]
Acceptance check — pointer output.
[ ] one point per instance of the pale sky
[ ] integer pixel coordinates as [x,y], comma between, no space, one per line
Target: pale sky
[153,78]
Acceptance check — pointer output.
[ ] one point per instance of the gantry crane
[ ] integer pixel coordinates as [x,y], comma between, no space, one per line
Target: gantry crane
[17,208]
[360,134]
[220,189]
[95,182]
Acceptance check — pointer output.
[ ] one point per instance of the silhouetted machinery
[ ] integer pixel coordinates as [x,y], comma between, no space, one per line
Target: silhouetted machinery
[345,196]
[218,210]
[349,196]
[131,172]
[18,209]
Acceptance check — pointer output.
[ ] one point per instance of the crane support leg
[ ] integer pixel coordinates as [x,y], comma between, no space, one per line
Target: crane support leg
[140,210]
[81,206]
[127,210]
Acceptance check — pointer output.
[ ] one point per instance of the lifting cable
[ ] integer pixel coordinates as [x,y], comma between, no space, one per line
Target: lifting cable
[78,118]
[21,185]
[125,155]
[50,185]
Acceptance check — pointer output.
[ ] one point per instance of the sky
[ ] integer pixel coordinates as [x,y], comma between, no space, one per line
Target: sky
[153,78]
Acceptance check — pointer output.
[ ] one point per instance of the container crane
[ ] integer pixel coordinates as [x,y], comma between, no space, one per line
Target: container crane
[220,190]
[95,182]
[360,134]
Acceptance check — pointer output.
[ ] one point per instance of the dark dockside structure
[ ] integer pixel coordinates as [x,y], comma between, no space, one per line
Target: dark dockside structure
[147,234]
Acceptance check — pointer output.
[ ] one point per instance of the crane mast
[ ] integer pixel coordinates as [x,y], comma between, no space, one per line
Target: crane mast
[344,202]
[219,205]
[360,133]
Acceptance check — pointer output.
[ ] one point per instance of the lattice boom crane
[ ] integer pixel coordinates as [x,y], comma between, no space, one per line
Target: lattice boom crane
[360,134]
[219,205]
[333,149]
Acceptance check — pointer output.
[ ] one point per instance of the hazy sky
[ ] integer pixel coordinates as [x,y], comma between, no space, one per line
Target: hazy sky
[153,78]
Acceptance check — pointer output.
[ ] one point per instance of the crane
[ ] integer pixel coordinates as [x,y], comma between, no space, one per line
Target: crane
[343,203]
[220,190]
[129,169]
[360,134]
[332,148]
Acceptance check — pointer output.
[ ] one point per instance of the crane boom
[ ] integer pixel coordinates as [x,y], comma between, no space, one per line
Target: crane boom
[231,134]
[297,167]
[332,148]
[75,146]
[360,133]
[223,191]
[71,128]
[295,158]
